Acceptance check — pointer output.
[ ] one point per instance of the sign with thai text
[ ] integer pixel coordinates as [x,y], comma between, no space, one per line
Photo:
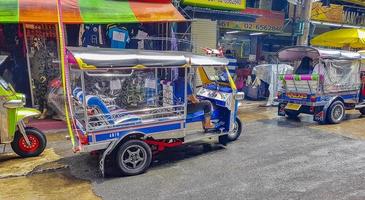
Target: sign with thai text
[333,13]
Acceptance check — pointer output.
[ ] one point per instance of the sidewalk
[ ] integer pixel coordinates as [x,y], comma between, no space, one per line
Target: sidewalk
[49,125]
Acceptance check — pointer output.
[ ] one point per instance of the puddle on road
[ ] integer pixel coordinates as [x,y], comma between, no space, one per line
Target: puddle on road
[353,126]
[55,186]
[12,165]
[257,113]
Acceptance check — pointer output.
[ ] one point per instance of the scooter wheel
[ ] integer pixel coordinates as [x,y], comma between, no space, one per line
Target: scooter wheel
[38,143]
[133,157]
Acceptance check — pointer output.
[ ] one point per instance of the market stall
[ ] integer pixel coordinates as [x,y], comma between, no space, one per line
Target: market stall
[95,23]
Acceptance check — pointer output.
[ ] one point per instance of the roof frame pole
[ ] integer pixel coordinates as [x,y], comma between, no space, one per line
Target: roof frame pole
[68,112]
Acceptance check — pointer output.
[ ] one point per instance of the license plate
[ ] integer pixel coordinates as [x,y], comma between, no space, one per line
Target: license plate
[293,106]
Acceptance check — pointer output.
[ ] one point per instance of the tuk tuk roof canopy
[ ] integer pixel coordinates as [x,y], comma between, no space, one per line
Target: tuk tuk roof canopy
[117,58]
[299,52]
[88,11]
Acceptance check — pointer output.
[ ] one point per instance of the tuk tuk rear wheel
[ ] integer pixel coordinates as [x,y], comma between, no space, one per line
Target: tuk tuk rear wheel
[134,157]
[336,112]
[38,143]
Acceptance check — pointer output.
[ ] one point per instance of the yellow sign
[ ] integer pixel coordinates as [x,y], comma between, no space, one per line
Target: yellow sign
[293,106]
[333,13]
[218,4]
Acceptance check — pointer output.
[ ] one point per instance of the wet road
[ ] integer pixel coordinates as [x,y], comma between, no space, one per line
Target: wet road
[275,158]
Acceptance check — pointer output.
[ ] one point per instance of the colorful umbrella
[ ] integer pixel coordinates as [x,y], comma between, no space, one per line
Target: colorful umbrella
[88,11]
[354,38]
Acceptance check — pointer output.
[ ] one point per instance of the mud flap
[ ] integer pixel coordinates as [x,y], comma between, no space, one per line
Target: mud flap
[281,109]
[319,115]
[107,151]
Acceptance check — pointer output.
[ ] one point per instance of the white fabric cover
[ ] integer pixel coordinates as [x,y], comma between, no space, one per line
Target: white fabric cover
[342,75]
[269,73]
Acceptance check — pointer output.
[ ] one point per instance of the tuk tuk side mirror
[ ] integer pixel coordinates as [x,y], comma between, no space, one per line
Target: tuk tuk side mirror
[239,96]
[12,104]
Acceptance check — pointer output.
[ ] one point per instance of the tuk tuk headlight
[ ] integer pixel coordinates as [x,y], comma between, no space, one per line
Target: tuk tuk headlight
[23,98]
[13,104]
[239,96]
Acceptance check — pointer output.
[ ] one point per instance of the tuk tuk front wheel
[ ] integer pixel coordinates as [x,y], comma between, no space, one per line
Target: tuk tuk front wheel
[37,145]
[134,157]
[236,132]
[336,112]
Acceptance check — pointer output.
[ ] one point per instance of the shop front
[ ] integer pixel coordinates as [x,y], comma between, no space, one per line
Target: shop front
[229,24]
[252,41]
[29,35]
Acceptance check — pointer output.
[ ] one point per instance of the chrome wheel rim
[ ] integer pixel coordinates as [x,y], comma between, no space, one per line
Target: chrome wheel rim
[234,131]
[337,112]
[134,157]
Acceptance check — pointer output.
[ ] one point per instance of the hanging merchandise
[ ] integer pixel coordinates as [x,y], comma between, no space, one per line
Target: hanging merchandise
[42,52]
[119,36]
[133,91]
[151,89]
[90,35]
[141,36]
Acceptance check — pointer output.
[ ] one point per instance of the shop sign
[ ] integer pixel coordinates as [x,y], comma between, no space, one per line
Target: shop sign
[268,21]
[333,13]
[218,4]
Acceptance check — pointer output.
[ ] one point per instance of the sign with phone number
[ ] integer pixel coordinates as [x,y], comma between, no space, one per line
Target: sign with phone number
[251,26]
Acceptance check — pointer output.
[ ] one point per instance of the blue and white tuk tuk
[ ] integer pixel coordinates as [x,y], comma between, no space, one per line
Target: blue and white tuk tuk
[124,103]
[331,86]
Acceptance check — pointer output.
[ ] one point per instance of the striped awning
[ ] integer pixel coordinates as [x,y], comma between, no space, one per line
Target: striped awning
[88,11]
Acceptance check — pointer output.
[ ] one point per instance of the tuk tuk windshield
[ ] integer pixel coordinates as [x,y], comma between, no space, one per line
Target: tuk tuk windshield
[217,74]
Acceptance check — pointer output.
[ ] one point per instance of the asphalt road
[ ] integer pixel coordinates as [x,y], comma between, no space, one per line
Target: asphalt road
[274,159]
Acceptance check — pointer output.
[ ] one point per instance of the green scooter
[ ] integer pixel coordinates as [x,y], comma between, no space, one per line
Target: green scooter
[25,141]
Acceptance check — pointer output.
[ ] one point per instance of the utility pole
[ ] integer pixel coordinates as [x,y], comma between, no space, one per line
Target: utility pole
[306,13]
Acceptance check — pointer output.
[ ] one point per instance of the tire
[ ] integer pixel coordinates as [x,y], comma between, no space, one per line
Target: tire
[292,114]
[38,143]
[362,111]
[237,130]
[133,157]
[336,112]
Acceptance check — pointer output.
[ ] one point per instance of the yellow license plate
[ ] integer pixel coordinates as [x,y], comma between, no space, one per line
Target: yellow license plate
[293,106]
